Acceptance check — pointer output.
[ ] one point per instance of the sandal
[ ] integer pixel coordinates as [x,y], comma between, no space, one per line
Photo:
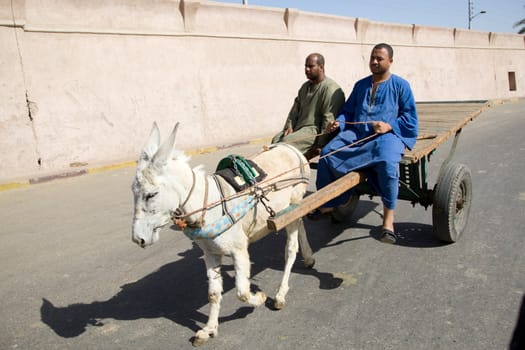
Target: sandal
[388,236]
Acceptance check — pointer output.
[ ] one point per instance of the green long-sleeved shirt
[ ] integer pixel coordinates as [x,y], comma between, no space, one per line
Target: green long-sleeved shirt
[316,105]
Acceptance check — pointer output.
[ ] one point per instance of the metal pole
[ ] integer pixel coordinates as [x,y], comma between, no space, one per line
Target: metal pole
[469,13]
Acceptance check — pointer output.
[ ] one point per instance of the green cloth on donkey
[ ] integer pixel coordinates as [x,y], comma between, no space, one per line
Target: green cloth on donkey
[239,172]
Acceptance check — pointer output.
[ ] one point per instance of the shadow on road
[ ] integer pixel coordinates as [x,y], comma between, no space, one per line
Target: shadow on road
[409,234]
[415,235]
[177,290]
[159,294]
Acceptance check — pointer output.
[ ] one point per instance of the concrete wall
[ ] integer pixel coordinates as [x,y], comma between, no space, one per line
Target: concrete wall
[82,81]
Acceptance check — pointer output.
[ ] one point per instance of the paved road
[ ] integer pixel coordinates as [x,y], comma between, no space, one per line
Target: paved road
[72,279]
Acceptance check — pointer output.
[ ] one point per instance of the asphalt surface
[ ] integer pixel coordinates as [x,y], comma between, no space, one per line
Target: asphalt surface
[72,278]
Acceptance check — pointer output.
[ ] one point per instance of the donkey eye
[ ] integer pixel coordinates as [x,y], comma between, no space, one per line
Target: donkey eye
[149,196]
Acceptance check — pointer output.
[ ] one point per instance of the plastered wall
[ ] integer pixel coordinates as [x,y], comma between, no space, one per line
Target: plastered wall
[82,81]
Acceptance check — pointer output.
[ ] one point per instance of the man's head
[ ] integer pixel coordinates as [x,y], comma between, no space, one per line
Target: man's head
[381,59]
[314,67]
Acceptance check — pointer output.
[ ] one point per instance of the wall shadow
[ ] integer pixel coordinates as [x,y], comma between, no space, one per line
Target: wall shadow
[517,341]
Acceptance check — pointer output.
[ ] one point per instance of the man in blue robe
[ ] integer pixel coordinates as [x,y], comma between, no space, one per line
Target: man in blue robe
[382,109]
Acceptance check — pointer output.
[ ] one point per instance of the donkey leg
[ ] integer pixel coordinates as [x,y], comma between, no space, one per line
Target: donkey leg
[292,247]
[304,246]
[241,262]
[213,270]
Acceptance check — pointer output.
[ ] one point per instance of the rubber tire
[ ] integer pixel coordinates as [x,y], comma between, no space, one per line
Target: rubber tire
[452,201]
[344,212]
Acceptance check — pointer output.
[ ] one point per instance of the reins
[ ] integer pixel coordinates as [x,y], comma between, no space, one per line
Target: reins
[178,215]
[258,191]
[296,139]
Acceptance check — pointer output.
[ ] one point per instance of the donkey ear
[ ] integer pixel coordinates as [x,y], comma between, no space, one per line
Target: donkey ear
[165,151]
[152,144]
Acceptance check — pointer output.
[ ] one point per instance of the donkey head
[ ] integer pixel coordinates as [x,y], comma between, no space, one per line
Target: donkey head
[155,188]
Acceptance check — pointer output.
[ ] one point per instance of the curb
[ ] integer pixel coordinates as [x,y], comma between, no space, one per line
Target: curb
[47,178]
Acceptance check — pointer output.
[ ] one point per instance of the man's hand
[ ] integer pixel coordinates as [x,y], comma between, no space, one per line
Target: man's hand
[314,151]
[381,127]
[288,131]
[332,126]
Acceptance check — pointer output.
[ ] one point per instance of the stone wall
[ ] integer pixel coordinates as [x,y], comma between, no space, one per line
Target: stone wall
[82,81]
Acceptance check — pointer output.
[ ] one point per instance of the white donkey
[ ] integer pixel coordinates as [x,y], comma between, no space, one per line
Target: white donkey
[166,187]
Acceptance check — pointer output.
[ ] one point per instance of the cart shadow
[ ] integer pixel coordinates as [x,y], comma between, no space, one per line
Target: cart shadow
[333,230]
[414,235]
[176,291]
[409,234]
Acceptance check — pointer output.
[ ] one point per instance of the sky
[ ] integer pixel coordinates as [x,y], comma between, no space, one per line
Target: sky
[500,15]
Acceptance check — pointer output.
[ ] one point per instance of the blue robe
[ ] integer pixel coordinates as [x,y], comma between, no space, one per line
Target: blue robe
[379,157]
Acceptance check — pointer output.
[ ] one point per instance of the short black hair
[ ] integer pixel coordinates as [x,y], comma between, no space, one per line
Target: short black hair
[318,57]
[387,47]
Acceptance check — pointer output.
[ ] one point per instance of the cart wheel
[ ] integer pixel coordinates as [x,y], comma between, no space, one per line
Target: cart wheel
[345,211]
[452,198]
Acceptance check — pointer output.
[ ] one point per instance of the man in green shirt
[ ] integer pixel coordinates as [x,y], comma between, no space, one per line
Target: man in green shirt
[317,103]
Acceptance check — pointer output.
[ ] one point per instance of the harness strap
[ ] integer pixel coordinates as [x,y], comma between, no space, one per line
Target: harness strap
[205,201]
[179,214]
[191,189]
[299,156]
[265,185]
[224,203]
[213,230]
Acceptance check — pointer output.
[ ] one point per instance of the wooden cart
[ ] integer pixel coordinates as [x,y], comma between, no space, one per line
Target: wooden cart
[451,195]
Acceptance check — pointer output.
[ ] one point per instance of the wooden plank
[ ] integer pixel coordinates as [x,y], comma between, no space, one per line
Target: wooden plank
[443,120]
[315,200]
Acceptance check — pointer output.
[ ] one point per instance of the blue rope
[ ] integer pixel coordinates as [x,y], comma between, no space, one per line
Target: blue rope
[224,223]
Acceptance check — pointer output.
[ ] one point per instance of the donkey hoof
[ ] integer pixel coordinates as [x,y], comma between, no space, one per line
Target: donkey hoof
[262,297]
[309,264]
[279,304]
[199,341]
[201,337]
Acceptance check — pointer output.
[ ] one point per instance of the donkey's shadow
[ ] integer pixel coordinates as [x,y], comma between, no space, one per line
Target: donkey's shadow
[161,293]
